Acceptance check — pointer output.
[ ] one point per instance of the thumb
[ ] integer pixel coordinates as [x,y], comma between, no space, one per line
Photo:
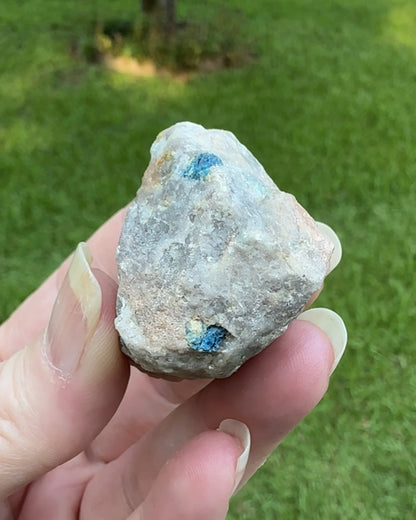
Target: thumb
[57,393]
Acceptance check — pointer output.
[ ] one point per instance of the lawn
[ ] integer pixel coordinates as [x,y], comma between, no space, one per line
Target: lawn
[329,109]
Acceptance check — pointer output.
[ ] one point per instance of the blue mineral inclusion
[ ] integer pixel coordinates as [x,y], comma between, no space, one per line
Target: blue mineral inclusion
[201,166]
[209,340]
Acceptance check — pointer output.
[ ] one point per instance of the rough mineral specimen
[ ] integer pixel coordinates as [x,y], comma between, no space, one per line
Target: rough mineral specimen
[214,260]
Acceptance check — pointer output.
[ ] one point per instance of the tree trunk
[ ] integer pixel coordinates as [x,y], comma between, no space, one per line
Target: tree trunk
[164,10]
[170,13]
[150,6]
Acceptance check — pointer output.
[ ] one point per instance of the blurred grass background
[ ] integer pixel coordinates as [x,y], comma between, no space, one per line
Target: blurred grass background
[329,109]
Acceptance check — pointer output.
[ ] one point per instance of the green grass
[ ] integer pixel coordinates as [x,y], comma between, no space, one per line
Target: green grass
[329,109]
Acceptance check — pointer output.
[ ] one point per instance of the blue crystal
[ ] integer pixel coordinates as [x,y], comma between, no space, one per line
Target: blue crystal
[209,340]
[201,166]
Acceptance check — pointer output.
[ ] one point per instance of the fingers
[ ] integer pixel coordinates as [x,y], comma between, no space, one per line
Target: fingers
[198,481]
[24,324]
[57,393]
[145,403]
[271,393]
[334,328]
[157,397]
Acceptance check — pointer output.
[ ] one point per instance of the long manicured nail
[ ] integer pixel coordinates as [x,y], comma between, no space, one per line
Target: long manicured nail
[333,326]
[75,315]
[333,237]
[240,430]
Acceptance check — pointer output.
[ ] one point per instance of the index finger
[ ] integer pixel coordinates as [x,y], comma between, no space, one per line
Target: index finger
[33,314]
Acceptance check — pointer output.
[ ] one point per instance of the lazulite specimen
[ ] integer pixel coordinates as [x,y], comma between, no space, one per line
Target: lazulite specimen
[214,260]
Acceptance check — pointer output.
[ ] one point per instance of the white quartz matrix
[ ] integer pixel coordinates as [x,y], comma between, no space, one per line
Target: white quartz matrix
[214,260]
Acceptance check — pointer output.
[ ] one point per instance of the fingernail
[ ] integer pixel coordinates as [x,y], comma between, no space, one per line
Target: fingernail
[333,326]
[240,430]
[74,316]
[333,237]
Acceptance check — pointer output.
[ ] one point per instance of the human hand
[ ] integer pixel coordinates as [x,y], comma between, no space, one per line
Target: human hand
[83,436]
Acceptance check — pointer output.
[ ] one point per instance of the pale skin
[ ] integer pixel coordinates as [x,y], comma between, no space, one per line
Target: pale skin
[112,442]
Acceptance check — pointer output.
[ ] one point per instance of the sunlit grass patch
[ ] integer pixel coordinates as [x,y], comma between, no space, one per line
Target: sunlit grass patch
[400,24]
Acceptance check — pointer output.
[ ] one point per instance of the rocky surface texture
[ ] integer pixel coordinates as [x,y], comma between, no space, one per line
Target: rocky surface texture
[214,260]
